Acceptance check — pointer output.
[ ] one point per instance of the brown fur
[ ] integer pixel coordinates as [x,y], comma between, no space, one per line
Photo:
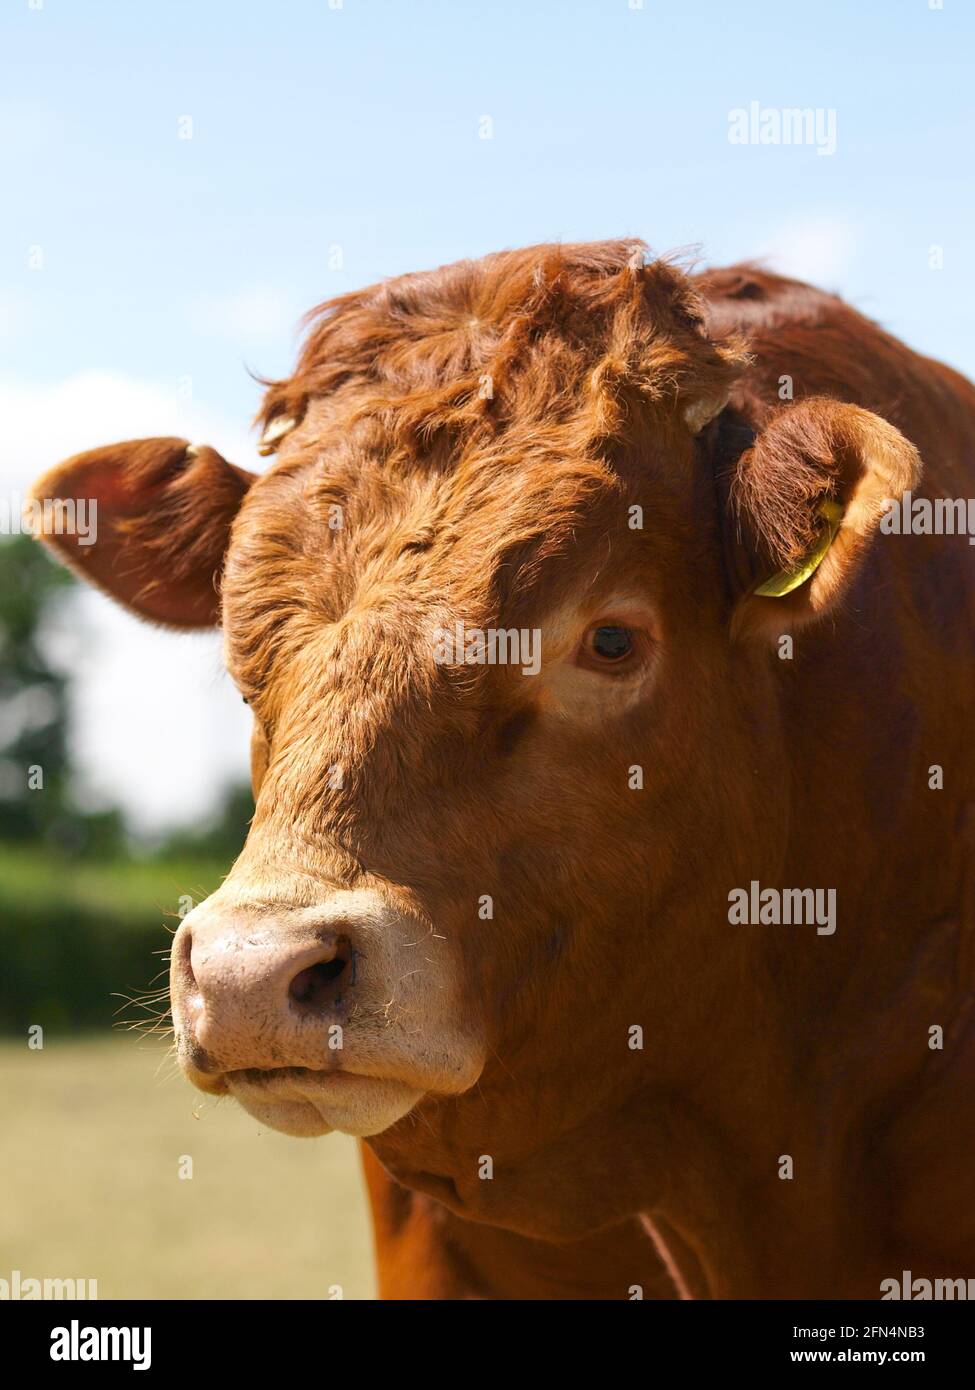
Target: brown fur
[485,429]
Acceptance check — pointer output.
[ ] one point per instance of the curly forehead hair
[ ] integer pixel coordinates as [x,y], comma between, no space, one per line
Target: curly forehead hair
[538,336]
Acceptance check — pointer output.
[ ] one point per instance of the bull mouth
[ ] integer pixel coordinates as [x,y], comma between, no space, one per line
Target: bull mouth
[260,1076]
[304,1102]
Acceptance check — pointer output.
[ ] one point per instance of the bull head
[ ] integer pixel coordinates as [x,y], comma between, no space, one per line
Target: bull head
[463,885]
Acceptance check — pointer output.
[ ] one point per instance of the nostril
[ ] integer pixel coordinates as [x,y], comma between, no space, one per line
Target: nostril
[317,980]
[320,985]
[181,963]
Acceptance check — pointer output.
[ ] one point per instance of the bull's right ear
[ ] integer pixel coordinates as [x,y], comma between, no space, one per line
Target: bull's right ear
[156,522]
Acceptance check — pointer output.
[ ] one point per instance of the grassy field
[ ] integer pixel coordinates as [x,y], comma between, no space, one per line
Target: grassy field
[92,1134]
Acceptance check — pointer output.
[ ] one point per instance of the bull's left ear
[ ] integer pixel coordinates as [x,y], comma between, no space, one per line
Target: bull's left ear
[157,517]
[806,499]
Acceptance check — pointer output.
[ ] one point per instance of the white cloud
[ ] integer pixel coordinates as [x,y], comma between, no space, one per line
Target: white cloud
[43,423]
[157,725]
[820,249]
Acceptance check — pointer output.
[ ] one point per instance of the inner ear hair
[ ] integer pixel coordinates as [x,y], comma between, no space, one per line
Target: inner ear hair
[700,412]
[790,468]
[720,446]
[807,498]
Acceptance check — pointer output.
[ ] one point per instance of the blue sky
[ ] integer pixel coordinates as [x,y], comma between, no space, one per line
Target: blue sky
[168,266]
[358,128]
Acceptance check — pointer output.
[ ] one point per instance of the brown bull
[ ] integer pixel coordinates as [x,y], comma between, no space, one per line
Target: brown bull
[611,858]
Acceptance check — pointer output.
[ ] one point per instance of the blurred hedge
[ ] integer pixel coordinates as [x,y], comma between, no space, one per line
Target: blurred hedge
[75,935]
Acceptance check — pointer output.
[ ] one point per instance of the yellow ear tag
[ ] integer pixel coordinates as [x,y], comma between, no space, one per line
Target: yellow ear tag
[786,580]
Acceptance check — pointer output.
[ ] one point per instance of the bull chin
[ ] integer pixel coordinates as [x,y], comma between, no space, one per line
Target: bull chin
[307,1104]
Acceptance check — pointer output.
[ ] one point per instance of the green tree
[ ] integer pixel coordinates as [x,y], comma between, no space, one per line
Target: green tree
[221,836]
[35,765]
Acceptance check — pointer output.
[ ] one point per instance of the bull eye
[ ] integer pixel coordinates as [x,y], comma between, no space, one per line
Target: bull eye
[612,649]
[612,644]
